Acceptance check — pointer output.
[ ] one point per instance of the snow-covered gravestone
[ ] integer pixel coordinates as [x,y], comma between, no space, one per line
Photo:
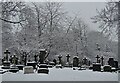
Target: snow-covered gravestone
[28,69]
[75,61]
[96,67]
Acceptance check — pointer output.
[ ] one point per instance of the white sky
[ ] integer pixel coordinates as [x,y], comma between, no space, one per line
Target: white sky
[86,11]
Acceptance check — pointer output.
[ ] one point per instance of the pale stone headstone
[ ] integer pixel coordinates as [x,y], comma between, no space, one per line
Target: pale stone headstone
[28,70]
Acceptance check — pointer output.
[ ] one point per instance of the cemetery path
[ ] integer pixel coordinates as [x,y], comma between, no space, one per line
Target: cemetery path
[65,74]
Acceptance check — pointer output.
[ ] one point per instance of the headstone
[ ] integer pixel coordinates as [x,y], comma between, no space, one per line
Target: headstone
[15,60]
[28,70]
[33,64]
[6,65]
[10,59]
[3,59]
[14,69]
[7,55]
[97,57]
[116,64]
[96,67]
[111,62]
[75,61]
[85,61]
[59,57]
[68,57]
[55,61]
[43,68]
[102,58]
[25,58]
[35,57]
[89,63]
[20,67]
[107,68]
[42,55]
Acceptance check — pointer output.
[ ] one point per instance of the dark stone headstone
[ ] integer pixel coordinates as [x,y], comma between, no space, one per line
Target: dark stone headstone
[15,60]
[97,57]
[75,61]
[7,55]
[59,57]
[32,64]
[102,58]
[96,67]
[116,64]
[20,67]
[55,61]
[35,58]
[85,61]
[42,55]
[14,69]
[6,65]
[107,68]
[111,62]
[68,57]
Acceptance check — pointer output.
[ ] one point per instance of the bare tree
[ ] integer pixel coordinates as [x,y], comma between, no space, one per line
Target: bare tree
[108,18]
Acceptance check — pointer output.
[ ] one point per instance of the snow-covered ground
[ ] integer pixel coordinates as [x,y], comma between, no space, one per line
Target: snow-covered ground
[65,74]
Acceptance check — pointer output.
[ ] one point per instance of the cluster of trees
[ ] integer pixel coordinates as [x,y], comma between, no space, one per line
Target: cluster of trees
[33,26]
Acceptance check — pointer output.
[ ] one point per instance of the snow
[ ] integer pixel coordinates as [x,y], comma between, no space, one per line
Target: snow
[65,74]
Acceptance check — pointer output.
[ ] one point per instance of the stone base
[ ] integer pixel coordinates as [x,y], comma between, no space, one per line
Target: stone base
[5,67]
[20,67]
[43,70]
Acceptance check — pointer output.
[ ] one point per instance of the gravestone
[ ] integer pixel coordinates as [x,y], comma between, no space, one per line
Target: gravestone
[96,67]
[3,59]
[68,63]
[89,63]
[107,68]
[116,64]
[35,58]
[20,67]
[10,59]
[28,70]
[102,58]
[43,68]
[14,69]
[85,61]
[59,57]
[6,62]
[68,57]
[111,62]
[7,55]
[42,55]
[33,64]
[75,61]
[25,58]
[15,60]
[55,61]
[97,57]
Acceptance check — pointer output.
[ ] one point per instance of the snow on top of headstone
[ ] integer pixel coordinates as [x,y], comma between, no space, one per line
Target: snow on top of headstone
[42,49]
[75,57]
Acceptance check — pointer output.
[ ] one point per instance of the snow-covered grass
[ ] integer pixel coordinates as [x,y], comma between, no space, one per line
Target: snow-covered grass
[65,74]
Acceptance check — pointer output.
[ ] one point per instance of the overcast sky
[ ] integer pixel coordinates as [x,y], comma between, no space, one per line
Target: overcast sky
[85,9]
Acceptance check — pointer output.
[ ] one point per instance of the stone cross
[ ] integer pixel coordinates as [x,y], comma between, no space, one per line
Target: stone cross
[102,58]
[97,57]
[60,56]
[68,57]
[7,53]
